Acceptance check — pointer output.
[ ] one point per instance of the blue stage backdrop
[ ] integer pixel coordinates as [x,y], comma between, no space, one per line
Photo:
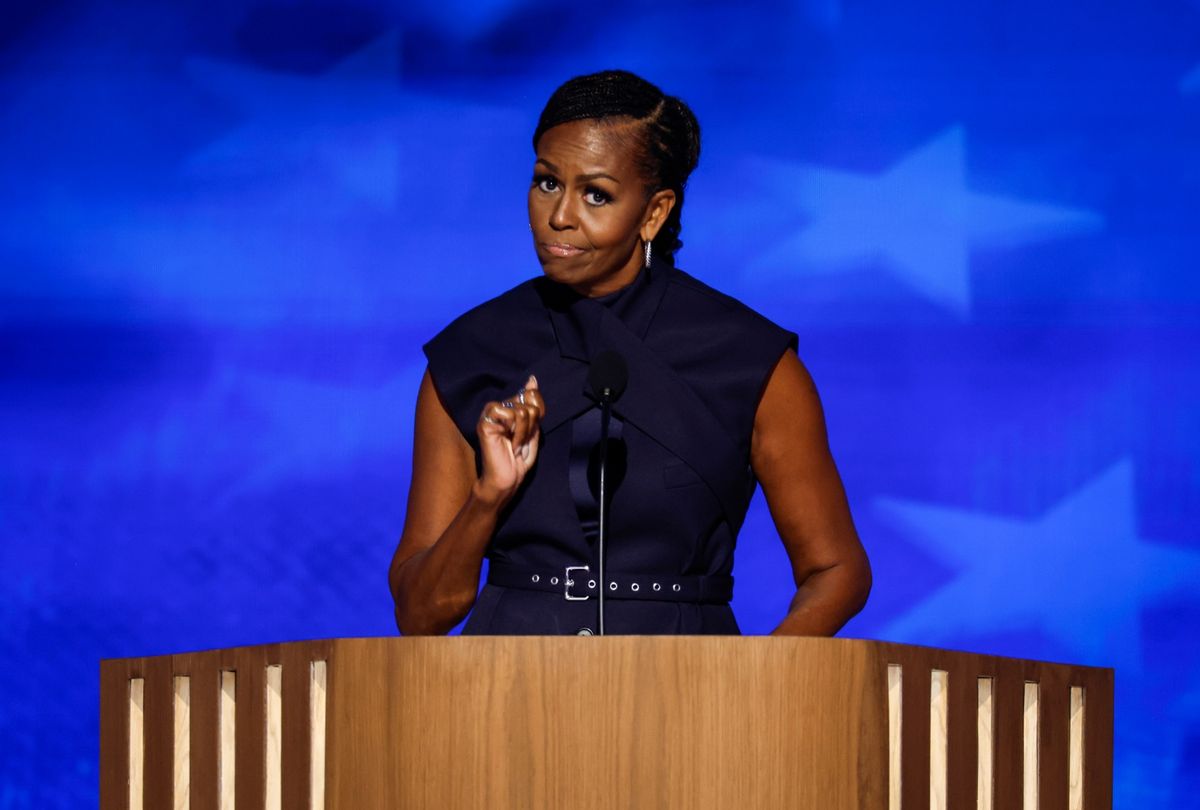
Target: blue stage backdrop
[228,227]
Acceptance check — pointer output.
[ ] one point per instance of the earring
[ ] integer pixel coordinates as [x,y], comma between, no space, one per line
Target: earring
[647,254]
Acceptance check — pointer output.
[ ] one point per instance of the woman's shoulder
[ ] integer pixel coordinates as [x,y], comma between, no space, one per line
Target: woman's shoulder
[697,301]
[481,318]
[724,349]
[485,349]
[507,328]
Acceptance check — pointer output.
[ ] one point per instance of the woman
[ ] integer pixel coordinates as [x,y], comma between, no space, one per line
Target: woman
[504,457]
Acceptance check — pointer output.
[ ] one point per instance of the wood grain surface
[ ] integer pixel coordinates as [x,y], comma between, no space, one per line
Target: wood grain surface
[605,722]
[619,721]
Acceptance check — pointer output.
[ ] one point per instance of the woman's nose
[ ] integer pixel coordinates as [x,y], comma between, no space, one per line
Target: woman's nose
[563,217]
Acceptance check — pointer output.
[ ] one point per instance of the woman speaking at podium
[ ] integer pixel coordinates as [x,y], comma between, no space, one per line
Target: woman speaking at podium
[709,400]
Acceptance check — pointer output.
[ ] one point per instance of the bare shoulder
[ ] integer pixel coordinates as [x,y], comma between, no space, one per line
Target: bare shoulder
[789,416]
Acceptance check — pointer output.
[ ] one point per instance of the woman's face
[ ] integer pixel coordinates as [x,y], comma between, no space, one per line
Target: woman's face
[588,207]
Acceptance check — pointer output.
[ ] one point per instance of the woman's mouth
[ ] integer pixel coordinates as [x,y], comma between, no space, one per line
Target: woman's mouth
[561,249]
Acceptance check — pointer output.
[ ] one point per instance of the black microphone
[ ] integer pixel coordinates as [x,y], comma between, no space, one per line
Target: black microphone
[607,378]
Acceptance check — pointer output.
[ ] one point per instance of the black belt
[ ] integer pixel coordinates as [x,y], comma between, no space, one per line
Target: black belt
[577,582]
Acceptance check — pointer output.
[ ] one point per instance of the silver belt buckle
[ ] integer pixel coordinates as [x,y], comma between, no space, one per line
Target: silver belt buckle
[568,582]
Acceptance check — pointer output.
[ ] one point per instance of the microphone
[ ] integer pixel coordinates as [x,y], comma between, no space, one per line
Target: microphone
[607,378]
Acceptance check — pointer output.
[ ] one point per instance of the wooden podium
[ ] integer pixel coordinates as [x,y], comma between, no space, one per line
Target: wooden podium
[613,722]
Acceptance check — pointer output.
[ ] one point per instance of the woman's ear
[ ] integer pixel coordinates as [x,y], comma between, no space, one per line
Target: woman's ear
[658,208]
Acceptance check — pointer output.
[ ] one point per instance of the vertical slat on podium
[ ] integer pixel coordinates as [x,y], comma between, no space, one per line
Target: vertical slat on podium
[250,664]
[114,734]
[274,738]
[318,695]
[939,739]
[985,740]
[914,736]
[895,682]
[296,739]
[964,714]
[227,737]
[160,732]
[181,796]
[205,687]
[1075,747]
[1098,741]
[1053,750]
[1008,695]
[136,755]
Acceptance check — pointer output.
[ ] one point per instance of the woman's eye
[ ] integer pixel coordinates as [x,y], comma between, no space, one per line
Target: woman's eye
[595,196]
[545,183]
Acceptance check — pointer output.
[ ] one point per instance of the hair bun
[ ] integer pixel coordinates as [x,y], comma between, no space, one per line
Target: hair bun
[688,131]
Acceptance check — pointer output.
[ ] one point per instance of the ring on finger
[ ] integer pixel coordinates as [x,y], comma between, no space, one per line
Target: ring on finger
[492,419]
[521,396]
[508,403]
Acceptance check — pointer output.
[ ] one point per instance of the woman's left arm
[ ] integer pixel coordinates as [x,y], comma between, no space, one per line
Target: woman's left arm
[790,456]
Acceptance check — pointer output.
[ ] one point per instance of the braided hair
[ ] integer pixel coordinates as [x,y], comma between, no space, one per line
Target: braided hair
[664,131]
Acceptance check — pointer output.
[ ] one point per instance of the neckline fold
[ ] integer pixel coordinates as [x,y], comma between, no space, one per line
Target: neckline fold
[576,318]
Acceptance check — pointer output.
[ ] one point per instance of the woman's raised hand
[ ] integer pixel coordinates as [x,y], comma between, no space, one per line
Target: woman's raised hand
[509,433]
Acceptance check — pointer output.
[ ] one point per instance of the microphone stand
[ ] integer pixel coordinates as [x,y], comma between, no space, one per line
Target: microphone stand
[607,379]
[606,401]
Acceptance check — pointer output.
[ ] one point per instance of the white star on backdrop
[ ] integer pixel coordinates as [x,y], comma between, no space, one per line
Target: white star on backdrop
[345,120]
[328,196]
[1079,573]
[356,122]
[918,218]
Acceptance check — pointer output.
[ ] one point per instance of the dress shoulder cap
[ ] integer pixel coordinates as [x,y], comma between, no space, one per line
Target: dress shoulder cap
[483,350]
[505,305]
[747,322]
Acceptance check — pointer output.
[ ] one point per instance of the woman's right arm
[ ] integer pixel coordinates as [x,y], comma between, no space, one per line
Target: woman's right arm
[451,514]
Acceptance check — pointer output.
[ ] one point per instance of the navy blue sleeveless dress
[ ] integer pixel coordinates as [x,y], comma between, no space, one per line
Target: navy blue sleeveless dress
[679,452]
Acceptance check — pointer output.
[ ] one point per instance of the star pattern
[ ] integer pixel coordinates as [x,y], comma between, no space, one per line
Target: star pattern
[918,219]
[341,174]
[345,120]
[1079,573]
[228,229]
[357,123]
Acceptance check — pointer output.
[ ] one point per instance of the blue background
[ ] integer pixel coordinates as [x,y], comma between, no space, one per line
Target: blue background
[228,227]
